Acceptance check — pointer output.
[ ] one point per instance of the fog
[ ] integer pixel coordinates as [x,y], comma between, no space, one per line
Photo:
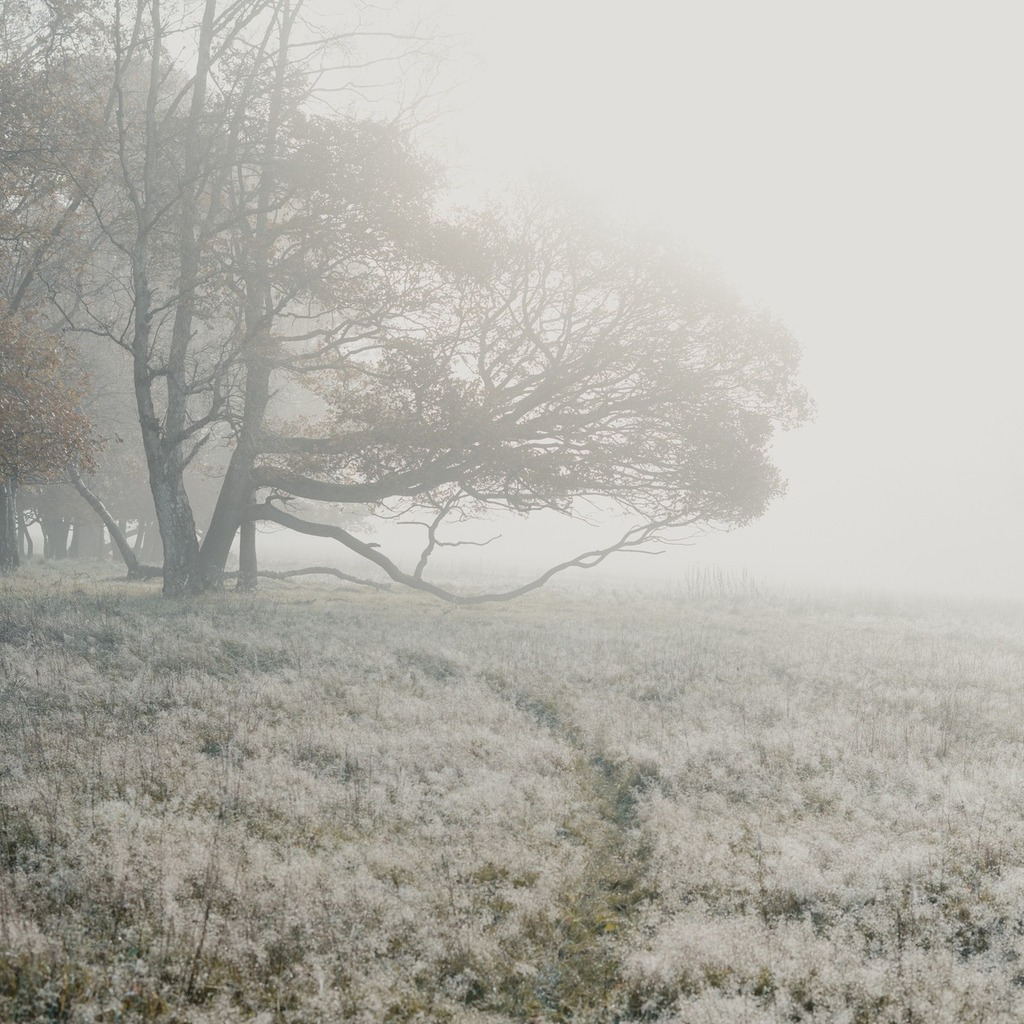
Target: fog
[857,169]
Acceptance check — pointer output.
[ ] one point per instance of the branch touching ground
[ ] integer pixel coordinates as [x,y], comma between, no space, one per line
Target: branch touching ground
[631,540]
[314,570]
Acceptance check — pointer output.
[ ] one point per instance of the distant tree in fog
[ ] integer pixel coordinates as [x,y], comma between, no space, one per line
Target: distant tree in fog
[42,430]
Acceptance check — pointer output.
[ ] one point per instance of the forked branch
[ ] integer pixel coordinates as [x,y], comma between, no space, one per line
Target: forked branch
[632,540]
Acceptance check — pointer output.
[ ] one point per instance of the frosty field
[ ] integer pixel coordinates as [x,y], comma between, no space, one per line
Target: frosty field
[700,805]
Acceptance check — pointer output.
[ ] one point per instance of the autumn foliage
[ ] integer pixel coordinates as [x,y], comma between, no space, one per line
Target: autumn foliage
[42,430]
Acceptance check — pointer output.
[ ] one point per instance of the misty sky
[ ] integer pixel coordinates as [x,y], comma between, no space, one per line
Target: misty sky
[855,167]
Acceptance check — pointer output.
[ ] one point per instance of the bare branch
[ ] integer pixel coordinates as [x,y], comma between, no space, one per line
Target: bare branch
[633,539]
[314,570]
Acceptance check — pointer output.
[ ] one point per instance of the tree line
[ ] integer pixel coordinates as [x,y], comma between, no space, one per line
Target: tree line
[261,299]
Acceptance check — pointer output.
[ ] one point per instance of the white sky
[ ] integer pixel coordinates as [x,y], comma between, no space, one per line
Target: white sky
[859,169]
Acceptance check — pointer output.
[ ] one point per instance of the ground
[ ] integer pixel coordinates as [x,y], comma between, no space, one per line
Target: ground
[701,803]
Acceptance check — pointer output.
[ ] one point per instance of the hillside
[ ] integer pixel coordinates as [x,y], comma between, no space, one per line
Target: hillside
[319,805]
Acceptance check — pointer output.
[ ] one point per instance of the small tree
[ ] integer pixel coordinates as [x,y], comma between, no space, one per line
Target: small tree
[42,431]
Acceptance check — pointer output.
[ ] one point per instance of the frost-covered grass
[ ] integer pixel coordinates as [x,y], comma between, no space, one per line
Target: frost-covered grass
[318,805]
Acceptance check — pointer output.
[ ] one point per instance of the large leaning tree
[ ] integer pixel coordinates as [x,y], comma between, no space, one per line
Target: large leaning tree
[554,367]
[254,253]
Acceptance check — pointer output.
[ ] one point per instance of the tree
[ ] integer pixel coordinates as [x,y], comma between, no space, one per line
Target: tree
[556,367]
[325,263]
[42,431]
[51,105]
[214,227]
[247,245]
[198,246]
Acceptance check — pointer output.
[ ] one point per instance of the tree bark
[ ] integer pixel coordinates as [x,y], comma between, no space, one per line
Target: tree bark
[247,566]
[178,535]
[9,540]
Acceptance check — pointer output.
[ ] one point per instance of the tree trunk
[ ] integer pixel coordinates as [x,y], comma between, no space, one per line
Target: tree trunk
[247,567]
[9,541]
[116,532]
[27,547]
[55,537]
[122,530]
[88,538]
[148,546]
[164,441]
[236,492]
[178,535]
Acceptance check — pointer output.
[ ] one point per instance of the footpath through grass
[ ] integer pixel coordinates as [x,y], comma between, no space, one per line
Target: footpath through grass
[320,805]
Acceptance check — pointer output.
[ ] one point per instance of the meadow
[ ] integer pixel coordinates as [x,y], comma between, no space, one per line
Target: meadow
[687,804]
